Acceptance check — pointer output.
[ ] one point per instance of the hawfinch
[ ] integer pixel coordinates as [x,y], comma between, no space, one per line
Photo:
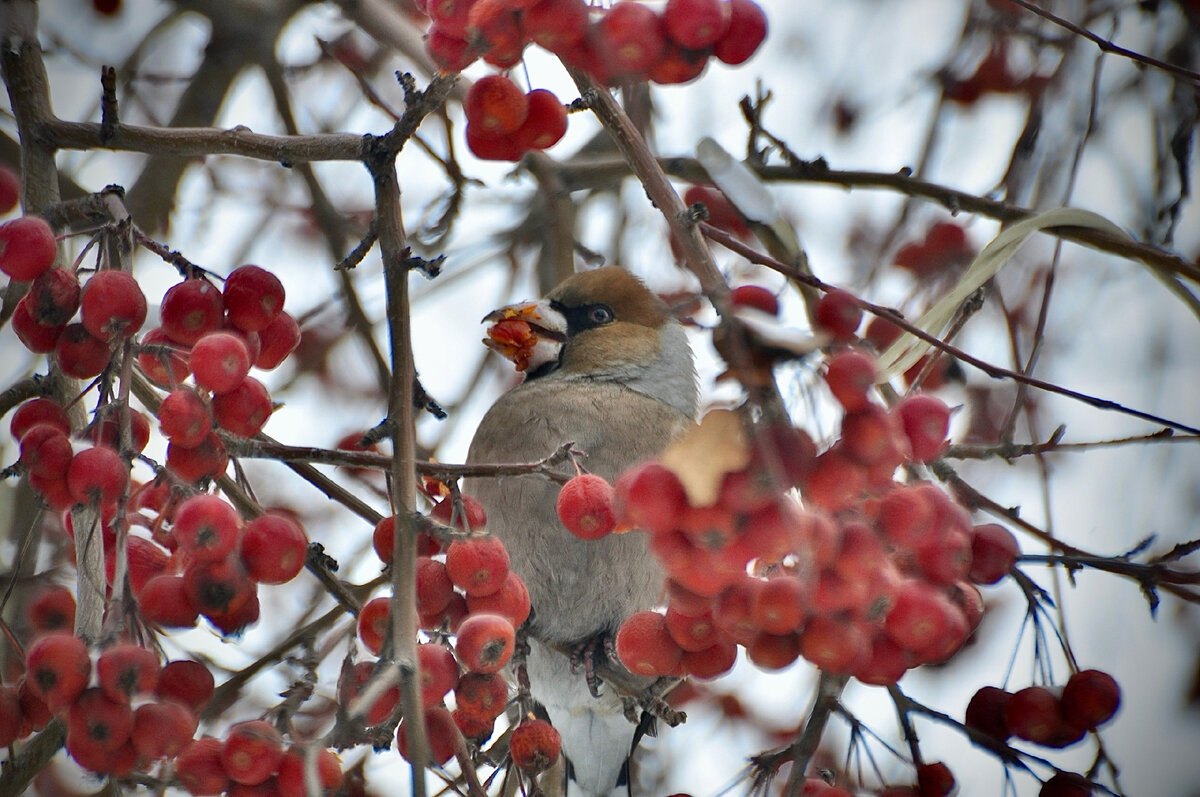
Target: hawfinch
[607,368]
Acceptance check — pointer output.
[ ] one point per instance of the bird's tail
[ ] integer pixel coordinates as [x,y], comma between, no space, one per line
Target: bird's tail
[596,735]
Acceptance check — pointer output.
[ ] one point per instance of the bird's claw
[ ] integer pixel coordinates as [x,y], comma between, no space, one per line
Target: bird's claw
[586,653]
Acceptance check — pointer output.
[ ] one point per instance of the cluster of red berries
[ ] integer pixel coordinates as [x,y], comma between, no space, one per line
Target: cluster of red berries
[625,43]
[467,590]
[216,337]
[1043,715]
[135,713]
[252,759]
[503,122]
[874,578]
[944,247]
[215,564]
[213,336]
[126,713]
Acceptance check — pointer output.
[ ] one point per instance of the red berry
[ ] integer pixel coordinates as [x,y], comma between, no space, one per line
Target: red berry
[435,590]
[97,724]
[38,338]
[696,24]
[112,305]
[445,512]
[440,730]
[746,31]
[926,422]
[27,247]
[57,667]
[494,25]
[291,779]
[678,66]
[373,623]
[52,609]
[645,646]
[511,601]
[206,527]
[556,25]
[1033,714]
[713,661]
[838,314]
[495,105]
[535,745]
[220,361]
[105,430]
[186,681]
[97,475]
[54,297]
[885,665]
[184,418]
[631,38]
[450,15]
[251,752]
[482,695]
[162,730]
[773,651]
[585,507]
[780,605]
[985,712]
[439,672]
[451,53]
[850,374]
[244,410]
[217,588]
[199,767]
[46,452]
[994,550]
[834,645]
[544,125]
[273,548]
[253,297]
[691,633]
[164,601]
[477,566]
[79,353]
[125,670]
[871,436]
[836,482]
[1090,698]
[919,617]
[164,362]
[278,339]
[650,497]
[935,780]
[192,309]
[485,642]
[193,463]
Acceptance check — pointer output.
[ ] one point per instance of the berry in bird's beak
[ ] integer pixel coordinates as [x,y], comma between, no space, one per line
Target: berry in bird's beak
[530,334]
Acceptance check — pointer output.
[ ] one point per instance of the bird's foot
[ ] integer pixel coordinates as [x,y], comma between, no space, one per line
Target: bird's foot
[586,653]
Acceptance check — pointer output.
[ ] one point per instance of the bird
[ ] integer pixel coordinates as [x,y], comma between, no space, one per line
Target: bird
[608,369]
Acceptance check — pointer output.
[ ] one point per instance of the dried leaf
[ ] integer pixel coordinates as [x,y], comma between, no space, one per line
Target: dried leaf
[702,456]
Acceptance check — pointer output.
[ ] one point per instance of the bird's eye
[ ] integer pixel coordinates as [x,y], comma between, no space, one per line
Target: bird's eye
[600,314]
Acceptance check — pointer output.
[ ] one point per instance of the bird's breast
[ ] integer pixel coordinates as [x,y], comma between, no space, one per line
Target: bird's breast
[577,587]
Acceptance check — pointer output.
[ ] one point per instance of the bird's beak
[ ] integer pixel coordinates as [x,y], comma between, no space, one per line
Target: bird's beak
[530,334]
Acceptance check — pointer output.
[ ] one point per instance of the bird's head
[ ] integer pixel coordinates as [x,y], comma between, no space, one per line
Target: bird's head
[602,324]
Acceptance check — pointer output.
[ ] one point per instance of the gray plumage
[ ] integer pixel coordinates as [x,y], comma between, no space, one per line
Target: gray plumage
[620,392]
